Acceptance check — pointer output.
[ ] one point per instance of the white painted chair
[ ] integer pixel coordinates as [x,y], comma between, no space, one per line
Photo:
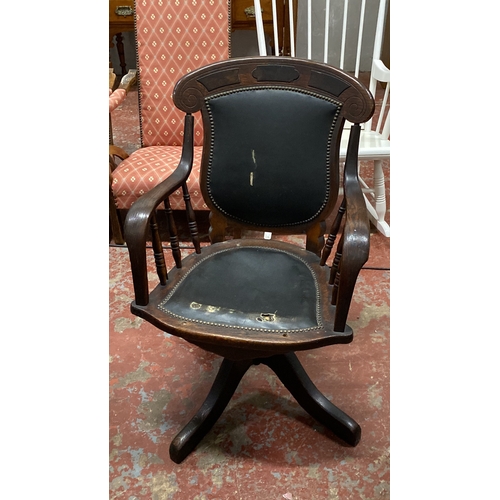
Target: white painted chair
[346,42]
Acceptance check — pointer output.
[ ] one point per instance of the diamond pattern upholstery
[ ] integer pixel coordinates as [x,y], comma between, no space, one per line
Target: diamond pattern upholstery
[116,98]
[149,167]
[173,37]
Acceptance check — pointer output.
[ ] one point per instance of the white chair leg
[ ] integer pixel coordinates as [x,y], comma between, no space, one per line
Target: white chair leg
[379,190]
[380,225]
[377,208]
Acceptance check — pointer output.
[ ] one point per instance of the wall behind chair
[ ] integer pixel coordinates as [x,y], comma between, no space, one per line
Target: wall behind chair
[318,20]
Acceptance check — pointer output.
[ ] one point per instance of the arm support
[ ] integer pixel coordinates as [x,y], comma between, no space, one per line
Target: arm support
[137,221]
[356,237]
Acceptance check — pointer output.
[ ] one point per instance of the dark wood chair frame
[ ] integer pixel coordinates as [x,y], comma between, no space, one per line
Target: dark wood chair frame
[336,284]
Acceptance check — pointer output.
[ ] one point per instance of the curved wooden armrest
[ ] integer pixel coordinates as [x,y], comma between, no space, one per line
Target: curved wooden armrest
[137,221]
[116,151]
[120,153]
[128,80]
[356,235]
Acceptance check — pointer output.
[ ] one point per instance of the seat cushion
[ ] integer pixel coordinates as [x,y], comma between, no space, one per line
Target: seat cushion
[147,167]
[247,298]
[251,287]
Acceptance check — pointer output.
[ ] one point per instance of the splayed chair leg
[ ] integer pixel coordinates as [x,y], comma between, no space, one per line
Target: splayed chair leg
[225,384]
[291,373]
[289,370]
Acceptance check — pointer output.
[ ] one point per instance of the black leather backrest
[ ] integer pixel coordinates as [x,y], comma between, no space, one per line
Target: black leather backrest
[270,153]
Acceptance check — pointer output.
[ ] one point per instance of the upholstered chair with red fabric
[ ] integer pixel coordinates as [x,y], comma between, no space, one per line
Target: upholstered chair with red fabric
[172,39]
[116,97]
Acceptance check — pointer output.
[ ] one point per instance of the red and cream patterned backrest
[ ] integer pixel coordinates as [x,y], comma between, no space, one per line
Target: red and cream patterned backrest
[175,37]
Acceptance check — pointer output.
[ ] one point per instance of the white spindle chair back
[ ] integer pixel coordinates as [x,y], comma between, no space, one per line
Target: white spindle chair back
[374,141]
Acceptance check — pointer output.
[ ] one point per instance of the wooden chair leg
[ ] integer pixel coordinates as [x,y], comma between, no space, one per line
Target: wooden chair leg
[289,370]
[227,380]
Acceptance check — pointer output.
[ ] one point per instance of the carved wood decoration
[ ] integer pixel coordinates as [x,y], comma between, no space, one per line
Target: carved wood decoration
[192,89]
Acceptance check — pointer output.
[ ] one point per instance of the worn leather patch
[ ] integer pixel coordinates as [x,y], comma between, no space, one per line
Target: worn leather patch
[250,288]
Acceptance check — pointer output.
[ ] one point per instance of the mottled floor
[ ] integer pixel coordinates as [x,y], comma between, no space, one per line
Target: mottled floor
[264,446]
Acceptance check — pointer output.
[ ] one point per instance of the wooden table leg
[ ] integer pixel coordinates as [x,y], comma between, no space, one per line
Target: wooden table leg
[121,52]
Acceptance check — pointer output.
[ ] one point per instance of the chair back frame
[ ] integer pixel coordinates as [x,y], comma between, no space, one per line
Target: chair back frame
[194,92]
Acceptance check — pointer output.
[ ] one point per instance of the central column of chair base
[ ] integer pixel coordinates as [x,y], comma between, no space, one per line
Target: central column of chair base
[291,373]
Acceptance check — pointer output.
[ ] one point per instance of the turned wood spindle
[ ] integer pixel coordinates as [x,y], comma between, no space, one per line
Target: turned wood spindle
[333,234]
[172,231]
[336,262]
[335,271]
[193,227]
[161,267]
[335,289]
